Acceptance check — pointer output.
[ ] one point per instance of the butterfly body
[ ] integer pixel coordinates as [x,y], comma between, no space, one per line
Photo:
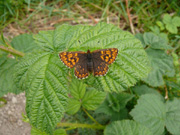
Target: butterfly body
[95,62]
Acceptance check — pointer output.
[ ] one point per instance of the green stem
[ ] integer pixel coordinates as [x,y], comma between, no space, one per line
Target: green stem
[79,125]
[91,117]
[11,50]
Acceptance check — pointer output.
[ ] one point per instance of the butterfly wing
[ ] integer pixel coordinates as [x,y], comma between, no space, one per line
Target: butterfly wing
[81,70]
[70,59]
[101,59]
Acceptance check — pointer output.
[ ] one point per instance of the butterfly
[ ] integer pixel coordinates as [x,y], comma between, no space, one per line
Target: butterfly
[95,62]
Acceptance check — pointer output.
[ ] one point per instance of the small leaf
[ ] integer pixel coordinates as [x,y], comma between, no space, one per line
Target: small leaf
[60,132]
[150,112]
[77,89]
[171,28]
[176,21]
[24,43]
[114,106]
[73,106]
[126,127]
[161,25]
[173,116]
[162,64]
[93,99]
[167,19]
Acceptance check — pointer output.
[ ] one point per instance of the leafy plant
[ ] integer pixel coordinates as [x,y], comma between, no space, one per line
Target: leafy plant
[53,93]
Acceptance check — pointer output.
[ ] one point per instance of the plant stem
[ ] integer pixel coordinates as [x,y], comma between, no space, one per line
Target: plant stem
[12,51]
[79,125]
[91,117]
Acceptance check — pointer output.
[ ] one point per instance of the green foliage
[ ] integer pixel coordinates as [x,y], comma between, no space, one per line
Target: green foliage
[144,89]
[43,78]
[126,127]
[162,65]
[24,43]
[6,80]
[115,106]
[89,99]
[171,23]
[152,112]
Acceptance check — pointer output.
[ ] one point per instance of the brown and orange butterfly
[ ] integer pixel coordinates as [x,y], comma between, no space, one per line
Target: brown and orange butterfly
[95,62]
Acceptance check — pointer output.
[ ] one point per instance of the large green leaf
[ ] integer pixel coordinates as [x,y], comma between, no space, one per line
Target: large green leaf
[6,80]
[152,112]
[126,127]
[131,63]
[43,78]
[92,99]
[173,116]
[162,65]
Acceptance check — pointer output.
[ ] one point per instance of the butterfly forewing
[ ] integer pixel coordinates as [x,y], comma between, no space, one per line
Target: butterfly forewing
[70,59]
[102,58]
[107,55]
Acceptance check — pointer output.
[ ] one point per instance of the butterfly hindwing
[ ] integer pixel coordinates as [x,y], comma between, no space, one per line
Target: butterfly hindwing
[70,59]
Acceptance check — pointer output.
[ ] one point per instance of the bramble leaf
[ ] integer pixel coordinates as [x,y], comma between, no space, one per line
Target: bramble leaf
[6,71]
[152,112]
[126,127]
[92,99]
[43,78]
[162,65]
[73,106]
[77,89]
[24,43]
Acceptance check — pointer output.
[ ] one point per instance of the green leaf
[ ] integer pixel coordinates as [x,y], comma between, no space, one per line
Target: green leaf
[77,89]
[73,106]
[176,21]
[60,132]
[24,43]
[140,37]
[114,106]
[162,65]
[160,24]
[131,64]
[144,89]
[171,28]
[35,131]
[43,78]
[150,112]
[58,39]
[167,19]
[173,116]
[92,99]
[155,42]
[171,23]
[126,127]
[6,71]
